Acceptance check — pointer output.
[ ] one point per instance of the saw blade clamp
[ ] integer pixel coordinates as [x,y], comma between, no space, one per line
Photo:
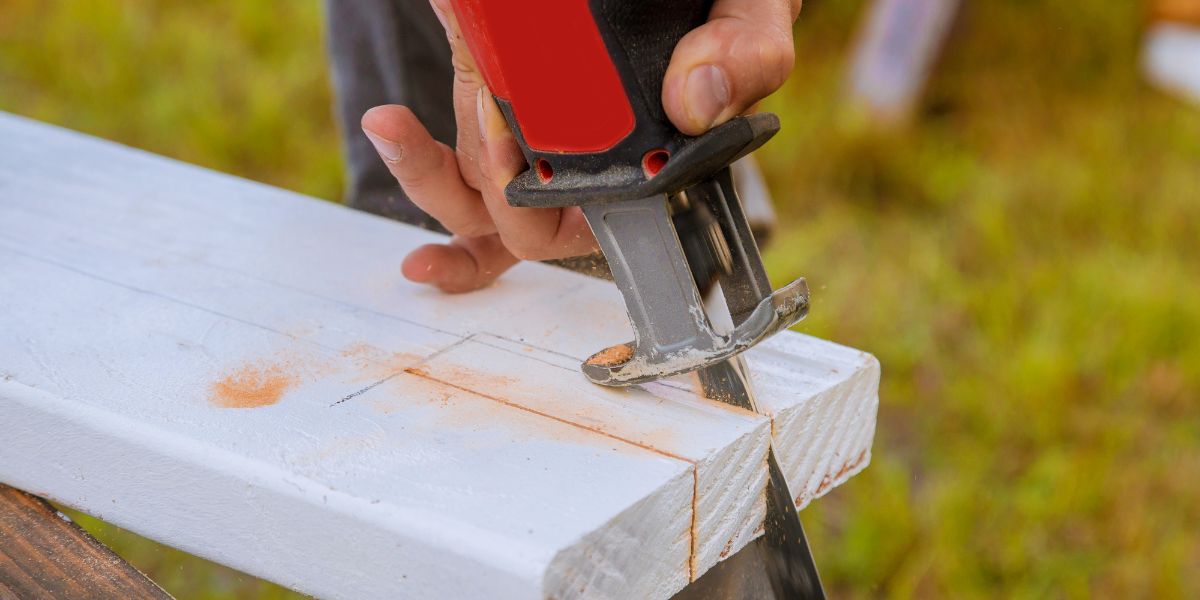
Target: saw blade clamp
[635,216]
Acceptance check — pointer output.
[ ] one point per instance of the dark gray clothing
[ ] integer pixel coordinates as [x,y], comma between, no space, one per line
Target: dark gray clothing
[387,52]
[395,52]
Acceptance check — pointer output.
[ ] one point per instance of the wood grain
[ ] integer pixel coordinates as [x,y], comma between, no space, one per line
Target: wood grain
[43,554]
[242,373]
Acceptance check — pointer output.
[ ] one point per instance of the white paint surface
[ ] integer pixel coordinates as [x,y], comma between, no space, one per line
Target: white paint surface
[426,446]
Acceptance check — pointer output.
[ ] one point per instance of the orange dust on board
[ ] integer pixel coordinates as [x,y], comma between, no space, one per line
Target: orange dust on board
[613,356]
[264,382]
[468,378]
[463,381]
[830,478]
[252,386]
[374,363]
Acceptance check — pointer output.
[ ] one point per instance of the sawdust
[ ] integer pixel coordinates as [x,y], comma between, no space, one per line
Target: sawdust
[264,382]
[360,351]
[255,383]
[727,549]
[613,356]
[830,479]
[466,386]
[253,386]
[374,363]
[463,376]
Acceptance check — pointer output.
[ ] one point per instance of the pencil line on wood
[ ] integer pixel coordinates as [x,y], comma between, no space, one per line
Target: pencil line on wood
[398,373]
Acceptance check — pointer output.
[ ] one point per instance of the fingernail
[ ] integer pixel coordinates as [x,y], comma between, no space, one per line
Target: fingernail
[706,94]
[389,150]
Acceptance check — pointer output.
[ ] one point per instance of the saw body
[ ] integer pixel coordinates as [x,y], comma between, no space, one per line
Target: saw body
[580,84]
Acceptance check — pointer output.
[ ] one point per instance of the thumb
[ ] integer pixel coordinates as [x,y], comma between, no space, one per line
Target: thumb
[722,68]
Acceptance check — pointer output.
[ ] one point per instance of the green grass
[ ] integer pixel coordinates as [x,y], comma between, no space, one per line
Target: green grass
[179,573]
[1022,260]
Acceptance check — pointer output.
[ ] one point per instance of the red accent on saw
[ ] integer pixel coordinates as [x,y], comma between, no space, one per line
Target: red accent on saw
[545,171]
[654,161]
[548,60]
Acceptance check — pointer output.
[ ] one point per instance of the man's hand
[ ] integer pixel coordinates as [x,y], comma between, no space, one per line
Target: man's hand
[718,71]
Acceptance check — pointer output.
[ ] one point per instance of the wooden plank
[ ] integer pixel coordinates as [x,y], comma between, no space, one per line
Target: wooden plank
[241,372]
[44,555]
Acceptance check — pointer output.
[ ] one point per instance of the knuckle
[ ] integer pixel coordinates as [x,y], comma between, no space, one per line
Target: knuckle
[464,72]
[726,29]
[764,53]
[777,54]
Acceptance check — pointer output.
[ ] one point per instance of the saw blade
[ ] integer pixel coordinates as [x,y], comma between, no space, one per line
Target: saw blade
[789,562]
[704,244]
[790,566]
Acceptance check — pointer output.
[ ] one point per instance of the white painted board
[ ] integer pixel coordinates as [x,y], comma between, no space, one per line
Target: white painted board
[241,372]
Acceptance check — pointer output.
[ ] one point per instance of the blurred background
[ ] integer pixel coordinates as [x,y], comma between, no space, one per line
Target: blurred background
[1019,245]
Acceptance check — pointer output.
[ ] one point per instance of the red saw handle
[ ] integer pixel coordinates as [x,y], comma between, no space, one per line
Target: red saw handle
[547,61]
[580,84]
